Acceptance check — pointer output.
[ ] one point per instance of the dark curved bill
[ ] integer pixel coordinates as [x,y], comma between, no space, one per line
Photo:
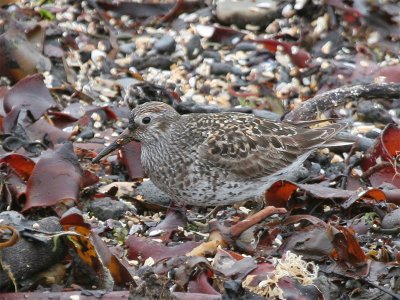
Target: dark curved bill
[122,139]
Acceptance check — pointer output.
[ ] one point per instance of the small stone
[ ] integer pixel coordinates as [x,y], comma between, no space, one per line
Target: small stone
[194,47]
[335,169]
[97,55]
[106,208]
[315,169]
[87,134]
[166,44]
[212,54]
[373,134]
[224,68]
[162,62]
[127,48]
[300,173]
[373,112]
[246,46]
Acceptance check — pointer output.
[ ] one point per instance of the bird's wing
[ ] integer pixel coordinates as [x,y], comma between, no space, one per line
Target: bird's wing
[249,146]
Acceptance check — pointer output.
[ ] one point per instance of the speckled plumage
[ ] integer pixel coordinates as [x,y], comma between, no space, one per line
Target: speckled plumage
[217,159]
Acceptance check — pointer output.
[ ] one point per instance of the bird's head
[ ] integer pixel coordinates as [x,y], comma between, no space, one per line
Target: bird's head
[147,124]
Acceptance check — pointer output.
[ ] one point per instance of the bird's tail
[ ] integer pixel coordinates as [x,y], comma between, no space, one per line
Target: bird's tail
[323,136]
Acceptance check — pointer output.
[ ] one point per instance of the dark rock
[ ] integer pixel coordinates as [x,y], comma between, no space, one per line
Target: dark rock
[187,65]
[246,46]
[315,169]
[212,54]
[179,24]
[194,47]
[319,158]
[106,208]
[166,44]
[391,220]
[161,62]
[373,112]
[86,134]
[373,134]
[224,68]
[85,56]
[300,173]
[335,169]
[258,59]
[354,160]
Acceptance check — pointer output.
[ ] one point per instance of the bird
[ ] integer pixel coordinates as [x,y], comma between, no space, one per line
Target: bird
[215,159]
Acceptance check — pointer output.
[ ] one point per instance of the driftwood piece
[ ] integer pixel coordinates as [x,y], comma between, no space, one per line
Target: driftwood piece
[340,96]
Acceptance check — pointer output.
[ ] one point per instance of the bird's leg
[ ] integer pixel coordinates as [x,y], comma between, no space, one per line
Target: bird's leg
[176,207]
[254,204]
[204,218]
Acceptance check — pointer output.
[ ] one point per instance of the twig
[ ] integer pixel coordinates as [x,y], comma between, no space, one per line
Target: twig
[349,167]
[393,231]
[385,290]
[394,295]
[340,96]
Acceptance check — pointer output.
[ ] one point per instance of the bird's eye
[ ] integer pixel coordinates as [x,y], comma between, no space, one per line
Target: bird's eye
[146,120]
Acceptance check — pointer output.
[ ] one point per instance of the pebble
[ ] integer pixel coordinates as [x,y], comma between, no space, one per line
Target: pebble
[162,62]
[315,169]
[224,68]
[374,112]
[127,48]
[87,134]
[166,44]
[216,56]
[373,134]
[106,208]
[392,219]
[98,55]
[246,46]
[194,47]
[334,169]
